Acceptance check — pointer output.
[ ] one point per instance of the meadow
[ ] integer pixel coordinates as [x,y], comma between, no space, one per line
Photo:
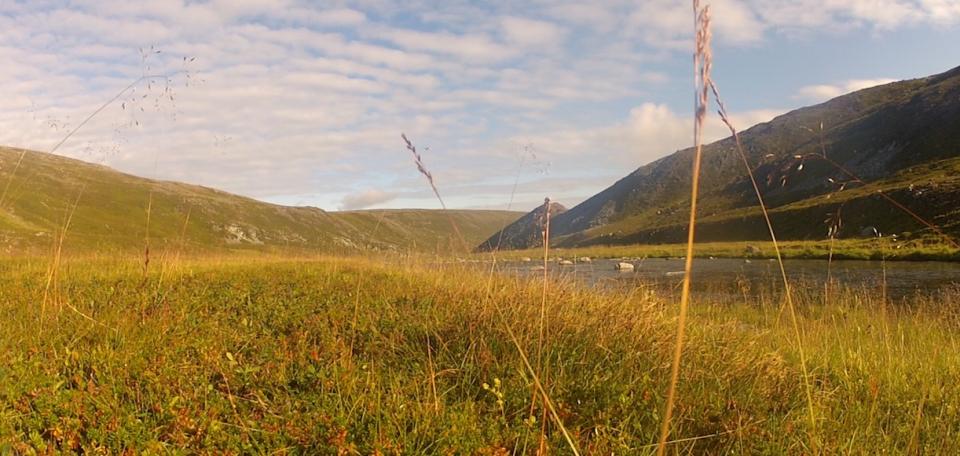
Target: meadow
[403,356]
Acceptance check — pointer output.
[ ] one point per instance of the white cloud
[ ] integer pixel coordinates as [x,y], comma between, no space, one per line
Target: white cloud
[822,92]
[342,17]
[839,14]
[668,24]
[366,199]
[237,8]
[650,131]
[532,33]
[736,22]
[585,14]
[942,11]
[469,47]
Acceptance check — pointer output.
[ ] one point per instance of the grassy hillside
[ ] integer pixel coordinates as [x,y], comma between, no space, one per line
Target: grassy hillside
[361,357]
[931,190]
[111,214]
[902,138]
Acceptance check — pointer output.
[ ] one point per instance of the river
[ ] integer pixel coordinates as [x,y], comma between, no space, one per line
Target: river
[739,276]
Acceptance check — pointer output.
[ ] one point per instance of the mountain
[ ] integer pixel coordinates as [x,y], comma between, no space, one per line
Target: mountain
[524,232]
[901,138]
[111,214]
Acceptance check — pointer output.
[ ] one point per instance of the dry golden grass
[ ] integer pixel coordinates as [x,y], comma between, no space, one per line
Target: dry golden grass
[701,65]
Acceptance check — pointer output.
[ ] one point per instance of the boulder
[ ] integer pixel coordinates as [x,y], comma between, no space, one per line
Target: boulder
[870,231]
[624,267]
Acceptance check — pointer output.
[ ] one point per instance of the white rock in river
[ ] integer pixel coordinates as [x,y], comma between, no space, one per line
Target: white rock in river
[624,267]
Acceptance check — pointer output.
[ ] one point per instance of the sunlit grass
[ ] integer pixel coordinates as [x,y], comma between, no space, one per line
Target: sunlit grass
[254,356]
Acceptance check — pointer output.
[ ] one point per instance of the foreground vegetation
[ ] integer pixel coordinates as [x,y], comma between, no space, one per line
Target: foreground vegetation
[846,249]
[352,356]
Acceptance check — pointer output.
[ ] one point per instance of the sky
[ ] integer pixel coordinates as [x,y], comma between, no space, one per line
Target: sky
[303,102]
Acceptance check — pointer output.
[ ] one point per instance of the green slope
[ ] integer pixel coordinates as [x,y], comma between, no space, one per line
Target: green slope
[902,137]
[111,214]
[931,191]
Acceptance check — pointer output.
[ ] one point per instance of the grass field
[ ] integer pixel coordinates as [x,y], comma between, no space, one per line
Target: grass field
[355,356]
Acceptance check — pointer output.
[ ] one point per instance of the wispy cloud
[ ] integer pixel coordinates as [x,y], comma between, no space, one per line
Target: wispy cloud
[649,132]
[532,33]
[366,199]
[821,92]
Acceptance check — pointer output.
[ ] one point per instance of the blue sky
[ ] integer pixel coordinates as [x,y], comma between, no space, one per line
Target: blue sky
[303,102]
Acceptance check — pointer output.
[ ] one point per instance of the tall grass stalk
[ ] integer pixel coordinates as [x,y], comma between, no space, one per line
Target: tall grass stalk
[913,447]
[513,193]
[53,274]
[170,261]
[503,227]
[418,160]
[13,173]
[788,294]
[535,374]
[146,257]
[164,267]
[51,287]
[536,381]
[701,62]
[112,100]
[545,232]
[835,225]
[86,120]
[356,301]
[181,242]
[432,376]
[146,234]
[543,314]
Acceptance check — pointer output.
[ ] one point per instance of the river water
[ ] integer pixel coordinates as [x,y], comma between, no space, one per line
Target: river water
[739,276]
